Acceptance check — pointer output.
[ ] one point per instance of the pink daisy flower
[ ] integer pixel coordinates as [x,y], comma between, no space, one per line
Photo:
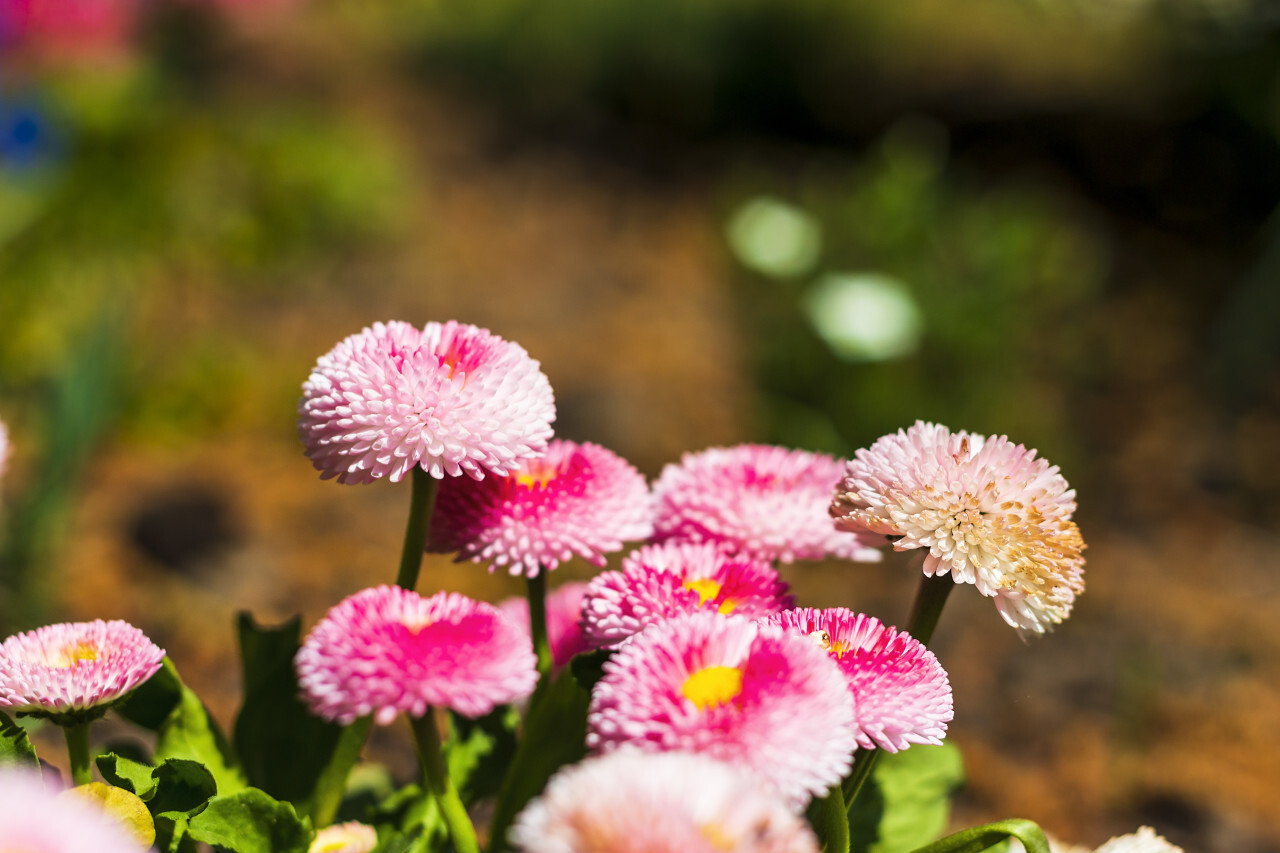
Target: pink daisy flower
[69,29]
[449,398]
[635,802]
[987,511]
[577,499]
[661,581]
[386,650]
[74,668]
[900,692]
[752,695]
[564,627]
[34,820]
[350,837]
[769,502]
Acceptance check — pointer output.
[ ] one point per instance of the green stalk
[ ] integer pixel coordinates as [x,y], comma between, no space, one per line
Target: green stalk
[78,751]
[930,597]
[827,815]
[538,625]
[436,774]
[332,783]
[864,761]
[415,535]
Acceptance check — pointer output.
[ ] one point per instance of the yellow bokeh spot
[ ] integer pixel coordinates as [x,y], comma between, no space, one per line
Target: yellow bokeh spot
[713,686]
[717,837]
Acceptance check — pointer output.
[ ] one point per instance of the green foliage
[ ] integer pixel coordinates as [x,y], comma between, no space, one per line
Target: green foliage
[15,746]
[479,751]
[979,838]
[906,802]
[830,822]
[174,792]
[250,821]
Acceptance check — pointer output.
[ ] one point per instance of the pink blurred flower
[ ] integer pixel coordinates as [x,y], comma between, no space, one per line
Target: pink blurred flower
[564,628]
[350,837]
[386,650]
[449,398]
[74,668]
[4,449]
[752,695]
[661,581]
[78,30]
[634,802]
[35,820]
[900,692]
[769,502]
[577,499]
[988,511]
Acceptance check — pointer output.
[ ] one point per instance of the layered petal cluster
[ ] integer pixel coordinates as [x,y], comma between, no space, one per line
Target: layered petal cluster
[386,650]
[74,668]
[350,837]
[723,686]
[658,582]
[901,694]
[769,502]
[634,802]
[577,499]
[450,398]
[34,820]
[564,626]
[988,511]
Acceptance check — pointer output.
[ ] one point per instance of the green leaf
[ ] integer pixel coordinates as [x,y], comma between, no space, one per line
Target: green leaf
[181,786]
[978,838]
[251,821]
[282,746]
[830,822]
[153,700]
[190,732]
[15,746]
[906,802]
[479,751]
[588,667]
[132,776]
[554,735]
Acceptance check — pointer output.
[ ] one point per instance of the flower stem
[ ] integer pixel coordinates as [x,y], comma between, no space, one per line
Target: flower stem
[538,625]
[436,774]
[863,763]
[78,751]
[332,783]
[930,597]
[415,535]
[828,817]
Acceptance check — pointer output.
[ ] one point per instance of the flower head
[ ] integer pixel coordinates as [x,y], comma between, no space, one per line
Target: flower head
[751,695]
[564,628]
[769,502]
[900,692]
[350,837]
[661,581]
[1145,840]
[74,669]
[4,449]
[988,511]
[34,820]
[385,650]
[450,398]
[634,802]
[577,499]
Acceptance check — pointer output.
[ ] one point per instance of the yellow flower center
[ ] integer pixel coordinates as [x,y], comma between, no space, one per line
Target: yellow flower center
[717,837]
[713,686]
[535,475]
[707,589]
[70,656]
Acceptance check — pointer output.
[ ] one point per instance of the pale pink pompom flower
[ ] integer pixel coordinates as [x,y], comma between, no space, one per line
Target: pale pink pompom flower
[658,582]
[74,669]
[578,499]
[564,623]
[634,802]
[751,695]
[987,511]
[349,837]
[900,692]
[387,650]
[769,502]
[36,820]
[450,398]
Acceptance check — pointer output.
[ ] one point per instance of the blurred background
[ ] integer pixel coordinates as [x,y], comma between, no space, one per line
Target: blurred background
[805,222]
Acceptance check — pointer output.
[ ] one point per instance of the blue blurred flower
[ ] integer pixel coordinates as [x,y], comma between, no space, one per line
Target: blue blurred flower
[28,138]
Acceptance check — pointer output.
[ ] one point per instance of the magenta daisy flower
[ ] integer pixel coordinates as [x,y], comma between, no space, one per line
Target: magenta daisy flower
[74,669]
[769,502]
[449,398]
[386,650]
[752,695]
[900,692]
[34,820]
[577,499]
[634,802]
[564,620]
[661,581]
[350,837]
[987,511]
